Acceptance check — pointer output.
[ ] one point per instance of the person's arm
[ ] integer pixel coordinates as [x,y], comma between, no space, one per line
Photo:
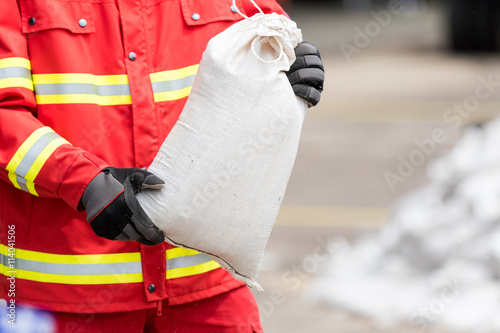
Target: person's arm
[33,157]
[37,160]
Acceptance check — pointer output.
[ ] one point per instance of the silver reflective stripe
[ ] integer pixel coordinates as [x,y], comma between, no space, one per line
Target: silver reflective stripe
[4,260]
[22,183]
[82,89]
[173,85]
[10,72]
[32,154]
[71,269]
[188,261]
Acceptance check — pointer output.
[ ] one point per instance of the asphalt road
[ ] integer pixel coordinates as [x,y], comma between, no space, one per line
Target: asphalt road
[379,106]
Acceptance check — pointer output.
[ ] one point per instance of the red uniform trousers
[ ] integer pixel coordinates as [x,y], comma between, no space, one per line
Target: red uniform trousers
[234,311]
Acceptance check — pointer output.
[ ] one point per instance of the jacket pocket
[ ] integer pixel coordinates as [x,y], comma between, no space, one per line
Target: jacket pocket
[196,12]
[40,15]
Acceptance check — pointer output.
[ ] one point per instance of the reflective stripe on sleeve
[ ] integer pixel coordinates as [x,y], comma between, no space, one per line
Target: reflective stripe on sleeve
[184,262]
[30,157]
[82,89]
[15,72]
[173,84]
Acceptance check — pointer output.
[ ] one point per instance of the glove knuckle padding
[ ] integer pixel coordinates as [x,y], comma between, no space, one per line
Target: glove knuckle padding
[307,74]
[310,94]
[315,96]
[310,76]
[313,61]
[300,62]
[306,48]
[306,62]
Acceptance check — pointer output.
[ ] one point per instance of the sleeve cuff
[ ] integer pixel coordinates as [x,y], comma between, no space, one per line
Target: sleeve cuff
[81,172]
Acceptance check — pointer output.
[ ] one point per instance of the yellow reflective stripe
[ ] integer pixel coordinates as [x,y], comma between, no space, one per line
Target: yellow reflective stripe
[172,78]
[13,179]
[180,252]
[39,258]
[23,149]
[31,187]
[42,158]
[72,279]
[20,82]
[14,80]
[49,262]
[73,259]
[51,81]
[172,95]
[80,78]
[193,270]
[83,99]
[174,74]
[39,162]
[30,157]
[15,62]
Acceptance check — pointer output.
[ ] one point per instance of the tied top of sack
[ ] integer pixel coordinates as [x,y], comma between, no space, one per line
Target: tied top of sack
[277,32]
[263,39]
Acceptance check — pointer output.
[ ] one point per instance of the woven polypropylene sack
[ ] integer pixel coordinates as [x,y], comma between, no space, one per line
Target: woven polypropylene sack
[228,159]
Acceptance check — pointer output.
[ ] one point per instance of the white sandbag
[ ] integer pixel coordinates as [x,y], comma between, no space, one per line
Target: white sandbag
[228,159]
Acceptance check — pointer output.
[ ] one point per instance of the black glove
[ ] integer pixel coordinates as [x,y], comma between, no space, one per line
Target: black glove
[113,210]
[307,74]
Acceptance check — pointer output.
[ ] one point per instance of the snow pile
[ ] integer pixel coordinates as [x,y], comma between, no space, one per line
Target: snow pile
[438,260]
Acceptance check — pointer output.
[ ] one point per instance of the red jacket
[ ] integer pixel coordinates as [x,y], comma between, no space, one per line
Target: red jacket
[85,84]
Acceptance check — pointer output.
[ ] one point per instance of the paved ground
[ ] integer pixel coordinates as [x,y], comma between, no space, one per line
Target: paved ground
[394,91]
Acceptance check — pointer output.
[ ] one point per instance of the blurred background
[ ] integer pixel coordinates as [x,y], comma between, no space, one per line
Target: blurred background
[390,175]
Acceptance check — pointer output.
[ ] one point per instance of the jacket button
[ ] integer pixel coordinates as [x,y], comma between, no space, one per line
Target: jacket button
[132,56]
[234,9]
[151,288]
[31,21]
[195,16]
[82,23]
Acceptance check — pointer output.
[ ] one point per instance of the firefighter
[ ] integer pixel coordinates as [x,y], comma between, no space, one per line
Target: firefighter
[89,89]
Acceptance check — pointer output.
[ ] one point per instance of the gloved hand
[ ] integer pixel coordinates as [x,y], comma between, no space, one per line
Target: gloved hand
[113,210]
[307,74]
